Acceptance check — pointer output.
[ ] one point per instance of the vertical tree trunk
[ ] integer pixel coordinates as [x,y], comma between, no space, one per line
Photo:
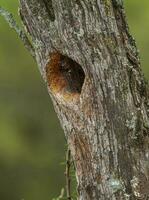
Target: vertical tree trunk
[91,66]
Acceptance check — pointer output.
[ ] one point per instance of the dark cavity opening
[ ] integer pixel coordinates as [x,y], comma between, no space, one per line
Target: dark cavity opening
[65,76]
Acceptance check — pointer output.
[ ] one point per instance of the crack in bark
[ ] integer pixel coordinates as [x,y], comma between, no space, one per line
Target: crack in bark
[50,10]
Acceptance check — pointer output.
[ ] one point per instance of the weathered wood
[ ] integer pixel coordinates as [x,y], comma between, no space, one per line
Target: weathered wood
[90,63]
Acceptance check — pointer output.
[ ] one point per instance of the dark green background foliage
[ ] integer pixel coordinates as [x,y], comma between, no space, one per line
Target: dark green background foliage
[32,143]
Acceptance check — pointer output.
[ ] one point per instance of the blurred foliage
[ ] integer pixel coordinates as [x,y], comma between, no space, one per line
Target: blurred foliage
[31,141]
[138,17]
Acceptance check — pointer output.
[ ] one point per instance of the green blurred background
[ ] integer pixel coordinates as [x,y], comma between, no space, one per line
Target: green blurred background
[32,145]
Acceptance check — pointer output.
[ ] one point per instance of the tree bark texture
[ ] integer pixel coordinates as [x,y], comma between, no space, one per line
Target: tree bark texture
[91,66]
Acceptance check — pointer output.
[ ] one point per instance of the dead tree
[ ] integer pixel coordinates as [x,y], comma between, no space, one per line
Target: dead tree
[90,63]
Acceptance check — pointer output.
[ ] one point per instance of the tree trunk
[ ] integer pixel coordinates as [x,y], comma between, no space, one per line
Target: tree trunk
[90,63]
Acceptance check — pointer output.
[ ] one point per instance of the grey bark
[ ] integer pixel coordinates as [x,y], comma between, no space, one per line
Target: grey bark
[90,63]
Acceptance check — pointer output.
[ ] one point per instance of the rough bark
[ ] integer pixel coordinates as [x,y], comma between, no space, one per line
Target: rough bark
[90,63]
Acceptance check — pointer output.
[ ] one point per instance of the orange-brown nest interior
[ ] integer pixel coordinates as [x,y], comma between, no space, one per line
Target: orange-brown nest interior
[64,76]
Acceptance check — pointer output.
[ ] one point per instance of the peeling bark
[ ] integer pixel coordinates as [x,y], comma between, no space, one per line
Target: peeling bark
[90,63]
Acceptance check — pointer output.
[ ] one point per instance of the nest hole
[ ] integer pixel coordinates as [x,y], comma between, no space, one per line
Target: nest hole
[65,77]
